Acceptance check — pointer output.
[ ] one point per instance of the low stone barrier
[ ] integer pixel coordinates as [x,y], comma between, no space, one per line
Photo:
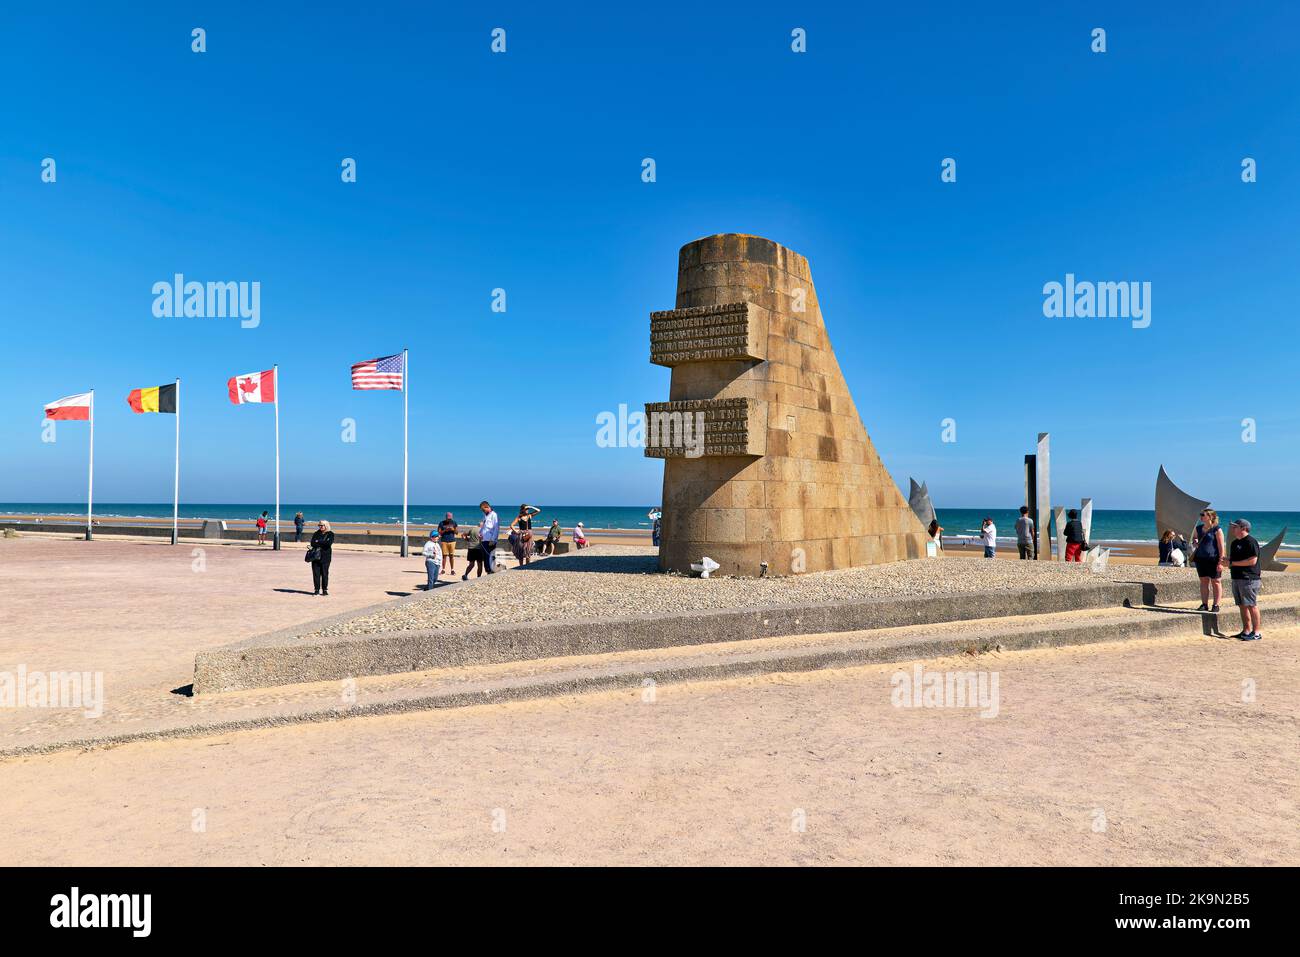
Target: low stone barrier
[202,530]
[293,656]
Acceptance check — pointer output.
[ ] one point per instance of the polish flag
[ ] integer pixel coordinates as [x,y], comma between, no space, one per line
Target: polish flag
[71,407]
[253,387]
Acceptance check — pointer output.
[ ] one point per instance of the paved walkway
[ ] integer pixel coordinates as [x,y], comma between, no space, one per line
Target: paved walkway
[1179,751]
[138,611]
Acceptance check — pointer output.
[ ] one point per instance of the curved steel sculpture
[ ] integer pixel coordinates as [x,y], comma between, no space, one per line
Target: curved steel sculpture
[1175,509]
[1268,554]
[919,500]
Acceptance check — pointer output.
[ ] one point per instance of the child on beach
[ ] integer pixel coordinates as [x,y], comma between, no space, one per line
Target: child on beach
[432,555]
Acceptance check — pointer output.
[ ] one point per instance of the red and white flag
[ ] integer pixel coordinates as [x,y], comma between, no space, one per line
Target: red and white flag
[253,387]
[70,407]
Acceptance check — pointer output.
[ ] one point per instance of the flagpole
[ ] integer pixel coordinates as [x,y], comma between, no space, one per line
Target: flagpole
[176,487]
[275,384]
[406,381]
[90,483]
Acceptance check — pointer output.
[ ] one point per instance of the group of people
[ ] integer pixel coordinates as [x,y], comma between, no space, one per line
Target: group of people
[439,552]
[482,539]
[1076,539]
[1211,554]
[262,520]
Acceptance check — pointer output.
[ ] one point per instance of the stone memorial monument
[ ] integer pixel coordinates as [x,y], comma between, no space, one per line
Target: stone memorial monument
[765,456]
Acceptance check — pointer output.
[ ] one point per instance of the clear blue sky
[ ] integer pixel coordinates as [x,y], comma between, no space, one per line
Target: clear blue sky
[522,171]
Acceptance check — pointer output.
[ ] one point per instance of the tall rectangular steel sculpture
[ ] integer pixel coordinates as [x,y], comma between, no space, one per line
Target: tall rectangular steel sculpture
[1043,479]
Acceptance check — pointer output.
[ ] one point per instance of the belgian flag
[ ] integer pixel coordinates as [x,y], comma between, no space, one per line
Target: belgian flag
[159,398]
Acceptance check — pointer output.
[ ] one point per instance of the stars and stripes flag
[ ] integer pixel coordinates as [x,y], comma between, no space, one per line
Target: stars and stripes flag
[69,407]
[252,387]
[385,373]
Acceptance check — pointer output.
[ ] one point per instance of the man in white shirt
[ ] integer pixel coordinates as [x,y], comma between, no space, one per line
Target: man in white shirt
[489,530]
[989,536]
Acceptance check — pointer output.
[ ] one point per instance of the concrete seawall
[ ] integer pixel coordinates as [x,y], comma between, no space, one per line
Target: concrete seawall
[194,531]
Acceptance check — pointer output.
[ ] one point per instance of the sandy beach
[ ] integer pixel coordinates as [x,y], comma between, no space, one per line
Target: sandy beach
[1124,753]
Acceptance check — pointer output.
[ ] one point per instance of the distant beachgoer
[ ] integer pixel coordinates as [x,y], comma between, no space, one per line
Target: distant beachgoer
[1025,534]
[489,530]
[521,534]
[989,536]
[261,529]
[1173,549]
[657,528]
[1243,559]
[432,558]
[298,523]
[320,553]
[1075,543]
[447,539]
[552,537]
[1209,554]
[474,556]
[579,536]
[936,534]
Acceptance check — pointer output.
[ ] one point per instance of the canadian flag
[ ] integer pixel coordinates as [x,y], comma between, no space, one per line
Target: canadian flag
[252,387]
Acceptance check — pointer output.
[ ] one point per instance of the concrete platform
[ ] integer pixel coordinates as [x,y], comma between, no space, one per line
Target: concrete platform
[295,655]
[214,714]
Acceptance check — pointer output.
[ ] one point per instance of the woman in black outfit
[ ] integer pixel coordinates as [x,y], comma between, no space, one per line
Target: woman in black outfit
[323,543]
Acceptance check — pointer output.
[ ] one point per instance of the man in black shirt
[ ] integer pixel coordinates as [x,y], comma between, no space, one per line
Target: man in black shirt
[1243,559]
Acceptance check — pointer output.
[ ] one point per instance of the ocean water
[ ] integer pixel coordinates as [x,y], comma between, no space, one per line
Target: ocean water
[1109,525]
[1115,525]
[591,516]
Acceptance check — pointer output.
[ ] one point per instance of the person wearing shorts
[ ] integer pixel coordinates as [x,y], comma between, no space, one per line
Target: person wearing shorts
[447,541]
[1208,554]
[1243,560]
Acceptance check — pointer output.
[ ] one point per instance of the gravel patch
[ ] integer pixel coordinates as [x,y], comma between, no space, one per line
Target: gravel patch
[624,581]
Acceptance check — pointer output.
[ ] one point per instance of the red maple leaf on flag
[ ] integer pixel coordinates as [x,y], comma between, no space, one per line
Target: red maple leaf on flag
[248,385]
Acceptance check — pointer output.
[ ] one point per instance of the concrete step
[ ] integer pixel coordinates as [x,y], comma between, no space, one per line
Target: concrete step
[297,655]
[638,669]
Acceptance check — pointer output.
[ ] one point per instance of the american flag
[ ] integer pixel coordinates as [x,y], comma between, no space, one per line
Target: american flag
[385,373]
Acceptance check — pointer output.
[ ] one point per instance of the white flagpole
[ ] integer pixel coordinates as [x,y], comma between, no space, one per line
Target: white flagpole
[275,384]
[406,382]
[90,484]
[176,487]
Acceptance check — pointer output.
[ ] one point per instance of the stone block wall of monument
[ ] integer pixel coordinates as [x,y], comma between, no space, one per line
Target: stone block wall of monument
[785,473]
